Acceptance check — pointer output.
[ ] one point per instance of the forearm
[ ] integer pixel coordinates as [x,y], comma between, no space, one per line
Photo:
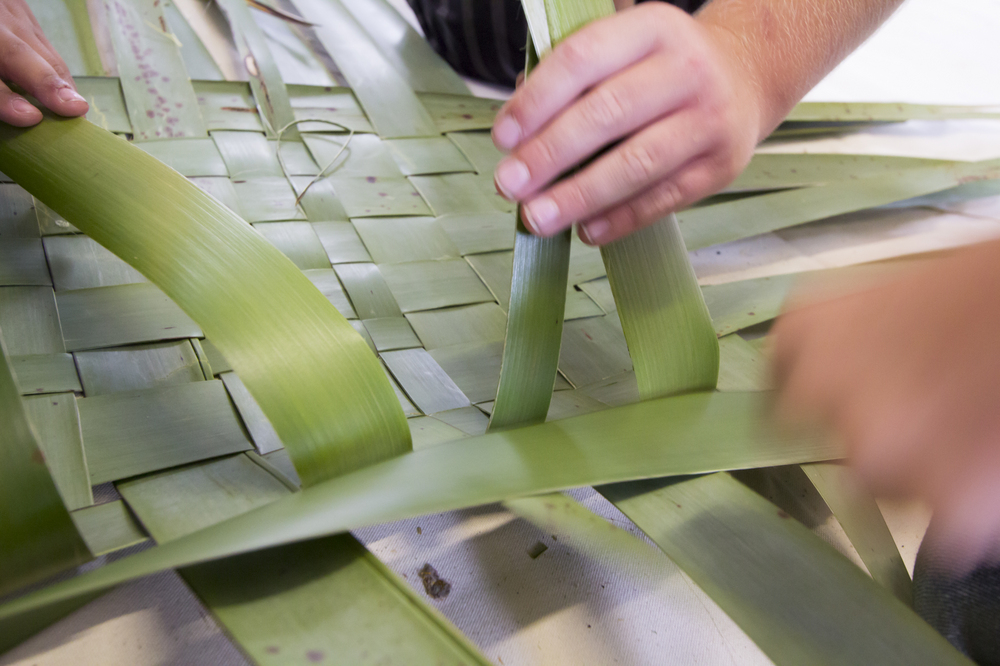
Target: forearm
[786,46]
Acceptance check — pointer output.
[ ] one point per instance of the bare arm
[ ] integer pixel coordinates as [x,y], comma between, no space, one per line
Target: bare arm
[789,45]
[687,97]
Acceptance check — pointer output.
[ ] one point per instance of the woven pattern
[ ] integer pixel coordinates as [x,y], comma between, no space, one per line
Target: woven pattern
[407,237]
[380,191]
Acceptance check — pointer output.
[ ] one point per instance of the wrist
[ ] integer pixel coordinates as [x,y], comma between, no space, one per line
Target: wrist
[750,87]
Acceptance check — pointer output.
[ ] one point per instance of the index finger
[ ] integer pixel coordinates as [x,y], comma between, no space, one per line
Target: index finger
[53,58]
[591,55]
[26,66]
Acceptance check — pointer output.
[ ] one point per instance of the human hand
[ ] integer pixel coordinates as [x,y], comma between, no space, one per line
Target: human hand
[908,374]
[673,90]
[28,60]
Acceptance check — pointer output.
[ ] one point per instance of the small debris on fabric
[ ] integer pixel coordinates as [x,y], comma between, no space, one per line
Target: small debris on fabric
[435,586]
[537,550]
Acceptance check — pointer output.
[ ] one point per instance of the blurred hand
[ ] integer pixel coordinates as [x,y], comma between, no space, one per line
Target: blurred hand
[28,60]
[672,90]
[908,374]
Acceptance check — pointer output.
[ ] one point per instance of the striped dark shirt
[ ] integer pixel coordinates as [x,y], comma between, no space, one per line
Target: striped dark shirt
[484,39]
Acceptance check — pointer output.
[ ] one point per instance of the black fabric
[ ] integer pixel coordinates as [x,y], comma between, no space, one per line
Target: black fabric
[484,39]
[965,609]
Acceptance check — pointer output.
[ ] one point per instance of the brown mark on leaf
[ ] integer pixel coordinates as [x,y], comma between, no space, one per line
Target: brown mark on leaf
[267,95]
[38,457]
[315,656]
[435,586]
[782,514]
[370,179]
[240,109]
[272,649]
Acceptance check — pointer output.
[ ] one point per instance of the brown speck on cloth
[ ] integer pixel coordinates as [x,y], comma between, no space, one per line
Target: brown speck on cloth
[435,586]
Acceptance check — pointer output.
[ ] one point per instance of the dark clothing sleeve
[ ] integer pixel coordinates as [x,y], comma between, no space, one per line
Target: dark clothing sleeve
[484,39]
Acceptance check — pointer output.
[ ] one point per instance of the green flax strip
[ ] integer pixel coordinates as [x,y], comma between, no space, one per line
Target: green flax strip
[268,87]
[389,102]
[37,537]
[667,325]
[534,320]
[161,103]
[689,434]
[406,49]
[251,301]
[864,525]
[794,595]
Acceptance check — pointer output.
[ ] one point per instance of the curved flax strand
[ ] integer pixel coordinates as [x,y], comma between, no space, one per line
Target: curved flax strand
[667,326]
[534,320]
[269,91]
[37,536]
[311,373]
[322,172]
[688,434]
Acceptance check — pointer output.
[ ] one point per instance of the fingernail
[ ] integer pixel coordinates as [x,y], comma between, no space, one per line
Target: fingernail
[22,106]
[596,230]
[69,95]
[506,133]
[511,175]
[541,214]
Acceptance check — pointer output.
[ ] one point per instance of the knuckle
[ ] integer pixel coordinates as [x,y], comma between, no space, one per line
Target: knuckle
[701,181]
[622,220]
[542,152]
[696,69]
[659,11]
[50,81]
[516,106]
[663,199]
[639,163]
[718,170]
[576,55]
[13,49]
[730,168]
[605,108]
[576,198]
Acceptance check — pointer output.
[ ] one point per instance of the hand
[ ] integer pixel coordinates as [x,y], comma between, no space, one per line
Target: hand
[28,60]
[908,374]
[671,89]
